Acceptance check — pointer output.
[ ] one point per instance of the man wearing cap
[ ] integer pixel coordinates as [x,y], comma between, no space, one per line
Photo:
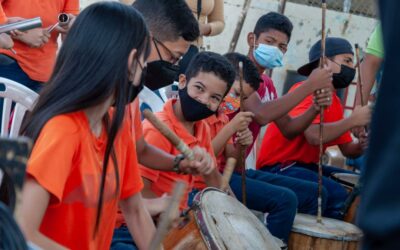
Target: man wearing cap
[299,157]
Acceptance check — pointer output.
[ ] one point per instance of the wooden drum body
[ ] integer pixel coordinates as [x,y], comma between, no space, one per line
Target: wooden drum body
[219,221]
[332,234]
[349,181]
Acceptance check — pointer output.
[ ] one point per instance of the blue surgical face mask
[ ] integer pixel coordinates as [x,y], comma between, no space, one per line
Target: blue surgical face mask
[268,56]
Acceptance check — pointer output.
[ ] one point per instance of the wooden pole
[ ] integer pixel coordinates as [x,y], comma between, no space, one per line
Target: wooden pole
[242,156]
[239,26]
[321,117]
[168,216]
[228,170]
[169,134]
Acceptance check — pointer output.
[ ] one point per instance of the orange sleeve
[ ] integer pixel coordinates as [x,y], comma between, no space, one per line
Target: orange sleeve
[137,120]
[71,7]
[3,17]
[52,156]
[154,137]
[132,182]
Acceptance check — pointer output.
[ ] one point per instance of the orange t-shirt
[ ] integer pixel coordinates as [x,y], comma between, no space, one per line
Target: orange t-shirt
[135,124]
[38,63]
[276,148]
[163,182]
[3,18]
[66,161]
[216,123]
[135,117]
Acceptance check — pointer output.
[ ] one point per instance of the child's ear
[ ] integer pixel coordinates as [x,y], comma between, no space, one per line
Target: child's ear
[182,81]
[251,38]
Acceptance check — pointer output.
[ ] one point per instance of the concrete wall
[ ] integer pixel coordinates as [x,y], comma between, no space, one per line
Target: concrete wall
[307,26]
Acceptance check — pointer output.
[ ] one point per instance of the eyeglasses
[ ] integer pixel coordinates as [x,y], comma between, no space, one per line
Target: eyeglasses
[175,59]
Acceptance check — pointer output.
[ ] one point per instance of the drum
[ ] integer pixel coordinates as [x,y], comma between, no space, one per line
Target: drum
[219,221]
[332,234]
[349,181]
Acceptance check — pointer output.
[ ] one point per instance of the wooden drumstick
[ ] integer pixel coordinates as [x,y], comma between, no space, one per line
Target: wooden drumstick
[359,81]
[168,216]
[242,156]
[169,134]
[226,176]
[321,117]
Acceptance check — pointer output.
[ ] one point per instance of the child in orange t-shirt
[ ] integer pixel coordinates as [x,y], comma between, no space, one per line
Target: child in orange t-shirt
[35,49]
[5,40]
[84,164]
[207,80]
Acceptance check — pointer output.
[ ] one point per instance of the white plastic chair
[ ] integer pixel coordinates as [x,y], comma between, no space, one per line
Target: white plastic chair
[24,100]
[147,96]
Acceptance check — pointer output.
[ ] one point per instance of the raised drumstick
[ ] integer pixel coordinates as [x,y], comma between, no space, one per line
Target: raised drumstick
[226,176]
[169,134]
[168,216]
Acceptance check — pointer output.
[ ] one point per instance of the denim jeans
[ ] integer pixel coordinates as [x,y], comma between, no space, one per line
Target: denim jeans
[122,239]
[279,202]
[10,69]
[335,195]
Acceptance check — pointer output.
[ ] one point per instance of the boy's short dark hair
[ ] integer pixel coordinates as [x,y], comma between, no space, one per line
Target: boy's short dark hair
[276,21]
[250,72]
[210,62]
[167,20]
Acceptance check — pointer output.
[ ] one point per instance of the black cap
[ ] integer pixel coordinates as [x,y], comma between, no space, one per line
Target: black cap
[334,46]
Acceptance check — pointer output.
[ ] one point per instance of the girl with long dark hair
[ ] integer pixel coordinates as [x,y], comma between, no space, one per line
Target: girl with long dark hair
[83,164]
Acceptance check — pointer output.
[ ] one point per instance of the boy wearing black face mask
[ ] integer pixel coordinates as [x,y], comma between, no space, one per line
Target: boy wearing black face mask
[299,157]
[201,90]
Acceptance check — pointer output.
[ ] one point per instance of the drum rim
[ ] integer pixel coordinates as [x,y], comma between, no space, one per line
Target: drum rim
[350,238]
[335,178]
[208,238]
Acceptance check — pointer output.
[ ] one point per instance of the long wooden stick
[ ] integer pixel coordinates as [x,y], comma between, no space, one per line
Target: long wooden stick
[321,118]
[169,134]
[242,156]
[168,216]
[239,26]
[359,81]
[228,170]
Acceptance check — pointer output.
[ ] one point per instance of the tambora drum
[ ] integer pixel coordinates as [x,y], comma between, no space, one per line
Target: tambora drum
[219,221]
[331,234]
[349,181]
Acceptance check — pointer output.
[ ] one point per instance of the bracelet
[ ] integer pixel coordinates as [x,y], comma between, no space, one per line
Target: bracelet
[177,161]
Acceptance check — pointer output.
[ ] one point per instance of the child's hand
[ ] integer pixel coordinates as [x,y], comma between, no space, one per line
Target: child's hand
[361,116]
[5,41]
[320,78]
[322,98]
[244,137]
[241,121]
[203,163]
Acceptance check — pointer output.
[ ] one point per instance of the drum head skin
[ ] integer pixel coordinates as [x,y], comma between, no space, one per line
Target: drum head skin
[329,229]
[228,224]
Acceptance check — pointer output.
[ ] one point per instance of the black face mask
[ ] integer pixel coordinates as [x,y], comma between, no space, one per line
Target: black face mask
[344,78]
[160,74]
[192,109]
[133,91]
